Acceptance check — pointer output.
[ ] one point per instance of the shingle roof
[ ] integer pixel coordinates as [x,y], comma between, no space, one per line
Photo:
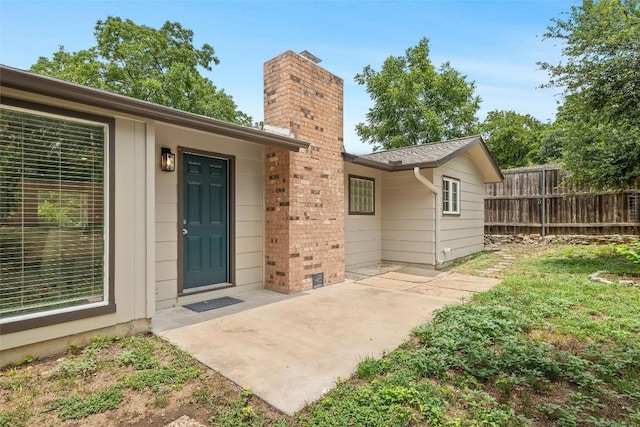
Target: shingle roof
[431,156]
[435,153]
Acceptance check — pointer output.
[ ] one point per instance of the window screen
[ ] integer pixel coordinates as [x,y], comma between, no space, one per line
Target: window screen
[52,213]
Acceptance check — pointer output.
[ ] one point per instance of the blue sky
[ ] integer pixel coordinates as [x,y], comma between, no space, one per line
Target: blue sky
[495,43]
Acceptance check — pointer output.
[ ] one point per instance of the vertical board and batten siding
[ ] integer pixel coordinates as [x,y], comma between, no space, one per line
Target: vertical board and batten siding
[249,210]
[132,144]
[362,232]
[516,206]
[407,218]
[462,234]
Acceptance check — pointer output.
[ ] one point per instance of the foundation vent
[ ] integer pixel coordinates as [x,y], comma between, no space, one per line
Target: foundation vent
[317,280]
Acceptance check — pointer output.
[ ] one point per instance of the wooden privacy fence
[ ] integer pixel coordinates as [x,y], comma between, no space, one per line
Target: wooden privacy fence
[534,201]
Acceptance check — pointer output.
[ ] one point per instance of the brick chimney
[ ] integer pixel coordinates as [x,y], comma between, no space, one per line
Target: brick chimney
[304,192]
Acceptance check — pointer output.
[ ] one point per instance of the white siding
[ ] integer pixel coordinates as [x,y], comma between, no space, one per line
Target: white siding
[362,232]
[462,234]
[407,218]
[408,215]
[249,210]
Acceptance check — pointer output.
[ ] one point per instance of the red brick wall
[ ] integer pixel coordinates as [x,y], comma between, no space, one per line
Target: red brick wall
[304,192]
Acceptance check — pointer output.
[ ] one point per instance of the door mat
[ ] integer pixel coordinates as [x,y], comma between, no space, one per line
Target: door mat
[212,304]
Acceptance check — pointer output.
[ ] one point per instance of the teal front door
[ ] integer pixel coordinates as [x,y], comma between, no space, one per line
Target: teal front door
[205,231]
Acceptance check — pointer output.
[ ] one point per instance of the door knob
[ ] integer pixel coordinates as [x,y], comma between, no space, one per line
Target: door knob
[184,231]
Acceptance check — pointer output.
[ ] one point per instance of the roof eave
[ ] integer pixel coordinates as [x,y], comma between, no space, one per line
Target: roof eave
[355,159]
[478,141]
[352,158]
[499,177]
[411,166]
[499,174]
[43,85]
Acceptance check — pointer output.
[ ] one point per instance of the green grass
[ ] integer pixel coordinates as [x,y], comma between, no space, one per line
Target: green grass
[477,262]
[545,346]
[77,407]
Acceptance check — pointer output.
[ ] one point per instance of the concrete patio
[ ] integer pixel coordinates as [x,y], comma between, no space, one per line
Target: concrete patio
[290,349]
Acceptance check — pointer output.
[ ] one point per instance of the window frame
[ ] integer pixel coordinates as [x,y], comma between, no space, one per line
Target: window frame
[448,201]
[352,211]
[57,316]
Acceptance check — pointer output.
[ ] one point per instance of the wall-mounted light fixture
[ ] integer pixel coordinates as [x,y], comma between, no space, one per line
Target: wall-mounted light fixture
[168,160]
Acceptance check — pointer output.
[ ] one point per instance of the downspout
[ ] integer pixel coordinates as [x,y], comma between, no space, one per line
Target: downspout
[436,218]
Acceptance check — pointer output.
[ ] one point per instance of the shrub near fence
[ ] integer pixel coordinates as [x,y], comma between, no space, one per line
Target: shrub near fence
[534,200]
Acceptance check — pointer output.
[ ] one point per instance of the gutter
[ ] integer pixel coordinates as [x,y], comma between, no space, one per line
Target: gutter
[352,158]
[437,195]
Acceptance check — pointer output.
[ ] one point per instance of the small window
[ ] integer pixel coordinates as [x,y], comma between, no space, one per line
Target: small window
[450,196]
[361,195]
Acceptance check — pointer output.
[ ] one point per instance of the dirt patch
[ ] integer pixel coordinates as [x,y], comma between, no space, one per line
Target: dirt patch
[559,340]
[28,391]
[598,317]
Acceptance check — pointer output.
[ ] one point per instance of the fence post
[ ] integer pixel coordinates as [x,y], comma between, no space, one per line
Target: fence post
[543,206]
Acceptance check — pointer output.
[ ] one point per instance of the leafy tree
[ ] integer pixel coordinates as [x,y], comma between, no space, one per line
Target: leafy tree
[414,102]
[513,139]
[156,65]
[600,74]
[550,148]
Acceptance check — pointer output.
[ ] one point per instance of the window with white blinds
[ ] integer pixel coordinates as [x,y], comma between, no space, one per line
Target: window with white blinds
[52,214]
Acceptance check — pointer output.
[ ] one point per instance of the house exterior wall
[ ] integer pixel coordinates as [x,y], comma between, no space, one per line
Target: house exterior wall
[131,253]
[463,234]
[363,233]
[249,213]
[407,218]
[304,192]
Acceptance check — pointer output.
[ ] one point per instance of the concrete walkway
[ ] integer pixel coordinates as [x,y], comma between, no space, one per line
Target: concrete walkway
[292,349]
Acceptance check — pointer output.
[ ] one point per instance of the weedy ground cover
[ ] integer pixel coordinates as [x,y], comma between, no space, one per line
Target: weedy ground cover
[114,381]
[546,347]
